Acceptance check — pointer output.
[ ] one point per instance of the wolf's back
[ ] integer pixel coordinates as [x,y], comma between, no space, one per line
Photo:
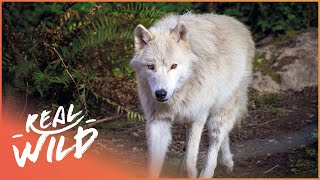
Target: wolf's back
[210,33]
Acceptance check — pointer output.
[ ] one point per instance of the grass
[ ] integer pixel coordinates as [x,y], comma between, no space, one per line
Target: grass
[314,135]
[267,99]
[277,110]
[307,164]
[262,64]
[270,102]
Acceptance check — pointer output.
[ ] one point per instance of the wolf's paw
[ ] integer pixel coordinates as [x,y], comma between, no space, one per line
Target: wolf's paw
[182,170]
[228,165]
[229,169]
[190,172]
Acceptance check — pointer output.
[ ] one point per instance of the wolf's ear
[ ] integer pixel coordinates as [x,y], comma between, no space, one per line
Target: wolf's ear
[180,32]
[141,37]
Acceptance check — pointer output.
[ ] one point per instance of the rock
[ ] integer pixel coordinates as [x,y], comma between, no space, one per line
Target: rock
[134,134]
[264,83]
[308,121]
[272,141]
[287,64]
[258,162]
[310,115]
[302,146]
[134,149]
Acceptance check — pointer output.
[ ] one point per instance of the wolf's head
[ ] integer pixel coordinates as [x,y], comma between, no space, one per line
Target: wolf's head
[163,57]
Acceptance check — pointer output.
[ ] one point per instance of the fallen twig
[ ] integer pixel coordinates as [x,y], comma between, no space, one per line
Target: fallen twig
[271,168]
[249,125]
[102,120]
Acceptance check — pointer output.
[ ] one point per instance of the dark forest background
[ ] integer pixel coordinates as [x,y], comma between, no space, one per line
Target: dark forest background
[62,53]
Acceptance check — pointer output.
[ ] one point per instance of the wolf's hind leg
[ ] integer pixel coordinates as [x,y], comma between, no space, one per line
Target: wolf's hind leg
[219,127]
[216,137]
[218,130]
[158,139]
[225,157]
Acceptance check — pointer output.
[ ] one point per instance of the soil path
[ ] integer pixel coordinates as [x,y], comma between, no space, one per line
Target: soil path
[278,138]
[281,144]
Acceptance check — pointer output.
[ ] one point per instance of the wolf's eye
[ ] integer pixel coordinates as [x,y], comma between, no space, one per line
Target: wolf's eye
[150,66]
[173,66]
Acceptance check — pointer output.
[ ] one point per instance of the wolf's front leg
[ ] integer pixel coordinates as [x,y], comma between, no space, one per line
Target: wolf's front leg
[193,142]
[158,139]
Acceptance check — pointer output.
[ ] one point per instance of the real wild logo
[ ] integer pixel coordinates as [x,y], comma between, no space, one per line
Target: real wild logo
[44,133]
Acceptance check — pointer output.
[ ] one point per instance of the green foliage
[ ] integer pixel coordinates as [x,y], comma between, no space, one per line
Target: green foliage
[74,52]
[176,7]
[270,102]
[271,18]
[78,41]
[308,162]
[314,135]
[269,99]
[264,66]
[311,152]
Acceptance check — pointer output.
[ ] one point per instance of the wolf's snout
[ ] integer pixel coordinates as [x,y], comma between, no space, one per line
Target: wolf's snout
[161,94]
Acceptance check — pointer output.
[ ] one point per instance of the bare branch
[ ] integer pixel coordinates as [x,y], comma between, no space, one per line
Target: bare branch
[66,69]
[271,168]
[102,120]
[249,125]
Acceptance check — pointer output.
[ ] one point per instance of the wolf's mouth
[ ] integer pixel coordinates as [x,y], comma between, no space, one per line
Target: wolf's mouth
[162,100]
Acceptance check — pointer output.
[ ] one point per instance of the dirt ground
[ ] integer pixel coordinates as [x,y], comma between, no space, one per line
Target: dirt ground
[278,138]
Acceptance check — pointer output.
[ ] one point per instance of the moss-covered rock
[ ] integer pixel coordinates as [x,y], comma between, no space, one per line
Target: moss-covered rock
[287,63]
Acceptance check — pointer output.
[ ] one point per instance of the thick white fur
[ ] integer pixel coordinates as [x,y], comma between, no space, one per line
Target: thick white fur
[213,54]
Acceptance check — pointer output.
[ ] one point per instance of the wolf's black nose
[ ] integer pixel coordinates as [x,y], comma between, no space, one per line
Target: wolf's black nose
[161,94]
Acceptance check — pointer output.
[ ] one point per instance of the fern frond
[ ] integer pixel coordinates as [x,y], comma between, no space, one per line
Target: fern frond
[131,115]
[113,26]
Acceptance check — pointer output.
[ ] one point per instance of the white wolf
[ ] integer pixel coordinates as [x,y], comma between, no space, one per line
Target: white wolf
[193,69]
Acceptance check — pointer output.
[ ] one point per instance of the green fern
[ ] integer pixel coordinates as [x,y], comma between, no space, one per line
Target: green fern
[78,35]
[131,115]
[111,26]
